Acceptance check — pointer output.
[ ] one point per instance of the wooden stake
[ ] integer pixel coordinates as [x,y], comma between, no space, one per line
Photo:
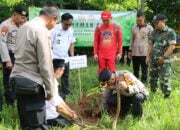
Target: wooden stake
[80,89]
[118,109]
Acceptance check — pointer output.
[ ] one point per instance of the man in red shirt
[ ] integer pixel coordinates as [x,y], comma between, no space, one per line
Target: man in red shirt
[107,43]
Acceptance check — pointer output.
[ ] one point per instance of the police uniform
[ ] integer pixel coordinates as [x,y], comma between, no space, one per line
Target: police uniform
[33,63]
[139,47]
[134,95]
[161,40]
[8,33]
[61,42]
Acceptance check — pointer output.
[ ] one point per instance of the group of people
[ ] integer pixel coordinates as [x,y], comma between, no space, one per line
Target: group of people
[147,46]
[31,67]
[35,55]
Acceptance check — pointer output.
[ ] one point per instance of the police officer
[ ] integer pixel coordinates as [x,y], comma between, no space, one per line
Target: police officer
[163,40]
[132,91]
[63,41]
[139,46]
[8,31]
[32,76]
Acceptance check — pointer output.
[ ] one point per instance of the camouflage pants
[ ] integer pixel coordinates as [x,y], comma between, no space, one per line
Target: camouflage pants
[161,72]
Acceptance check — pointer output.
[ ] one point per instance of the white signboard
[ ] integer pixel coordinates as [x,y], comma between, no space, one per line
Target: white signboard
[76,62]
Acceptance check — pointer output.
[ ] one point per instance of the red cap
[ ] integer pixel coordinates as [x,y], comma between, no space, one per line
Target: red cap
[106,15]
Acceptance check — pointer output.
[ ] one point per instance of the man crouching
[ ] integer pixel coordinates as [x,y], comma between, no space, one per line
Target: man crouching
[132,91]
[56,108]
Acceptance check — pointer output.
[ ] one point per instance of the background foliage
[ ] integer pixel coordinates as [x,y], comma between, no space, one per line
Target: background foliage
[151,7]
[159,113]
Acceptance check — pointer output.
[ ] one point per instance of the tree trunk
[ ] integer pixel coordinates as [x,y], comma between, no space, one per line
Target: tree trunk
[61,4]
[118,109]
[31,3]
[78,4]
[142,5]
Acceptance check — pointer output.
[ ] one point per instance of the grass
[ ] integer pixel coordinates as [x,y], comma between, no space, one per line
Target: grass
[159,113]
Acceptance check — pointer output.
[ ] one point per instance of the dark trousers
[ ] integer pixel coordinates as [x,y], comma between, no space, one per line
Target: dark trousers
[65,82]
[32,111]
[8,93]
[0,63]
[126,102]
[59,122]
[125,53]
[1,98]
[140,61]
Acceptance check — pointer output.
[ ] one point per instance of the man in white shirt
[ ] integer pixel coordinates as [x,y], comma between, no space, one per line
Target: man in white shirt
[62,41]
[56,106]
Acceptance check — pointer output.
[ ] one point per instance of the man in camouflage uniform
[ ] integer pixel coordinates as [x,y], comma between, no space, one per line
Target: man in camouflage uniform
[163,40]
[8,30]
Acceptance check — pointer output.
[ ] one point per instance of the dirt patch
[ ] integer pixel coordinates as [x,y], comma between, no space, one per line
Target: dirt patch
[89,106]
[86,108]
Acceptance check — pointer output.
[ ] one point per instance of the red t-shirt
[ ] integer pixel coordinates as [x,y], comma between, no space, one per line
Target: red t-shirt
[108,40]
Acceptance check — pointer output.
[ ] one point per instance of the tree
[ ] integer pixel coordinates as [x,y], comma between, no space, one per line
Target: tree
[140,5]
[168,7]
[6,6]
[112,5]
[10,2]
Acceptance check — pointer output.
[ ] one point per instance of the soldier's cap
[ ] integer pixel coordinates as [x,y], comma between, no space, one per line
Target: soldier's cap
[106,15]
[158,18]
[105,75]
[57,63]
[20,9]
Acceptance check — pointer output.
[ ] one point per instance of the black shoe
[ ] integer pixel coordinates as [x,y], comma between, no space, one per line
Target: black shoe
[128,64]
[153,90]
[167,95]
[10,104]
[122,64]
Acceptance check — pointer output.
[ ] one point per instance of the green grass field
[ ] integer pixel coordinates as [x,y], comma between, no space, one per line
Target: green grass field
[159,113]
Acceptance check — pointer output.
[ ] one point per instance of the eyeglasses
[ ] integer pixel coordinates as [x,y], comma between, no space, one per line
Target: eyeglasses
[67,24]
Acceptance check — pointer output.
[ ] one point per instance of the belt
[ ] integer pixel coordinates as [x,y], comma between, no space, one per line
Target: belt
[10,51]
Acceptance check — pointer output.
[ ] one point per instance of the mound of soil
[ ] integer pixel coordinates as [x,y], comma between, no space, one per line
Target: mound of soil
[86,107]
[90,105]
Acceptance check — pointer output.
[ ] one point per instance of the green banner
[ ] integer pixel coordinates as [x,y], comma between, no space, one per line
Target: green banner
[84,24]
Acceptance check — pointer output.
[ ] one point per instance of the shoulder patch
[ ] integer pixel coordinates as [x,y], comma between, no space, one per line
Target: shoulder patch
[128,78]
[4,30]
